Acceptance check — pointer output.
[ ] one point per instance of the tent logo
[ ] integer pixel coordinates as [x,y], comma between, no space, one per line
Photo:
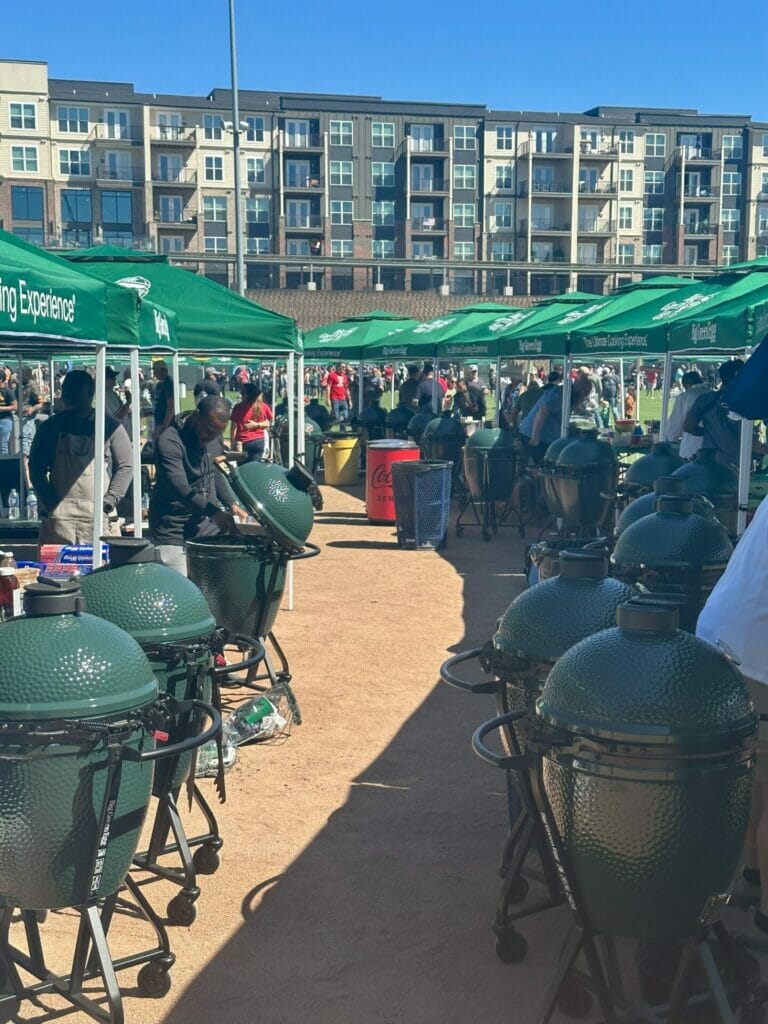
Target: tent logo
[435,325]
[138,284]
[704,332]
[161,325]
[577,314]
[329,339]
[681,306]
[508,321]
[530,346]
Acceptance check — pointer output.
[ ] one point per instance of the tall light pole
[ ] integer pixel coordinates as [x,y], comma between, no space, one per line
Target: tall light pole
[239,255]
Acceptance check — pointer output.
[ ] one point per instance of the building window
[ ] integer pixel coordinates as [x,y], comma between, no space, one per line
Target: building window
[257,246]
[383,212]
[652,254]
[76,238]
[255,130]
[254,169]
[341,211]
[654,183]
[170,244]
[215,243]
[214,168]
[383,175]
[24,158]
[464,250]
[341,172]
[23,116]
[214,209]
[464,136]
[627,141]
[256,210]
[343,247]
[625,218]
[73,119]
[762,250]
[730,254]
[422,250]
[586,252]
[731,220]
[116,207]
[502,215]
[653,218]
[213,125]
[731,183]
[464,176]
[118,166]
[502,252]
[341,133]
[626,180]
[505,137]
[75,161]
[76,205]
[26,203]
[297,247]
[464,215]
[655,144]
[762,219]
[114,236]
[383,249]
[541,252]
[626,253]
[33,235]
[503,175]
[764,183]
[171,210]
[765,145]
[732,147]
[383,134]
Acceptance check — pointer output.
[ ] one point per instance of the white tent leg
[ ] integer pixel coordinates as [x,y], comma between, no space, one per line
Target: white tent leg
[745,459]
[622,390]
[20,441]
[138,528]
[301,436]
[175,382]
[498,389]
[360,389]
[392,390]
[436,390]
[289,399]
[99,471]
[638,382]
[665,389]
[566,413]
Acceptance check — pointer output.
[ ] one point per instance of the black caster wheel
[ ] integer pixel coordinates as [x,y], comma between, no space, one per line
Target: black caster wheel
[154,981]
[206,860]
[518,890]
[181,910]
[511,947]
[574,1000]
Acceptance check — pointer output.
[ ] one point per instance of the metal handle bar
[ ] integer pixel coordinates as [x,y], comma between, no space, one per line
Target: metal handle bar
[447,676]
[190,743]
[258,656]
[310,550]
[505,761]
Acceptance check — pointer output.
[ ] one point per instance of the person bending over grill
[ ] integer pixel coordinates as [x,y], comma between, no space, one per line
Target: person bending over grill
[191,498]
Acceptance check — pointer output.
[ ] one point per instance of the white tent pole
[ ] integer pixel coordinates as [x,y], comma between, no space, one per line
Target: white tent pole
[665,389]
[638,376]
[360,388]
[745,464]
[498,388]
[622,395]
[392,399]
[436,386]
[175,383]
[20,441]
[566,413]
[300,409]
[138,528]
[51,375]
[98,455]
[290,368]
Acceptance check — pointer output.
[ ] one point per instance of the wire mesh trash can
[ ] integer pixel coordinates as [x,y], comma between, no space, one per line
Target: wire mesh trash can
[422,501]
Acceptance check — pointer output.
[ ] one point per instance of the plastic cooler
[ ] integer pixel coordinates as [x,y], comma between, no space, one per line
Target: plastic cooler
[341,456]
[422,501]
[379,496]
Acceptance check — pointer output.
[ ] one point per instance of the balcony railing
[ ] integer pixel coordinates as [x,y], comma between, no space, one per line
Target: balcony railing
[602,149]
[185,177]
[169,134]
[597,227]
[176,220]
[305,140]
[548,258]
[439,146]
[302,221]
[545,187]
[692,153]
[427,224]
[301,181]
[122,174]
[429,185]
[700,192]
[597,188]
[543,225]
[700,228]
[117,133]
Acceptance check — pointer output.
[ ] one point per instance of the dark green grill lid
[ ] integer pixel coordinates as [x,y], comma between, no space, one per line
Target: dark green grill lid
[645,681]
[672,536]
[278,499]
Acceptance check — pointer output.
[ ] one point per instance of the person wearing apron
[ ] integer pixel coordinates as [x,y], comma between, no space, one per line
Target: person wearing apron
[61,465]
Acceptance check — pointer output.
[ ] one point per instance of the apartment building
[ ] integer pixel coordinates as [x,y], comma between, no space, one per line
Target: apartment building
[355,192]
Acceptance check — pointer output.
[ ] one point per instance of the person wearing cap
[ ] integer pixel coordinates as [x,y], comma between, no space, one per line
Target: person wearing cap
[710,419]
[191,498]
[61,465]
[209,385]
[164,408]
[113,404]
[476,394]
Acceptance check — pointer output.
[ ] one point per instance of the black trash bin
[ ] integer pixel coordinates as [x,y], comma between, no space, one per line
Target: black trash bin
[422,491]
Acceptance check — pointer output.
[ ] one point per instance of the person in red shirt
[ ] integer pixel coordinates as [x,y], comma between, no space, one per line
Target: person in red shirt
[650,381]
[337,391]
[250,418]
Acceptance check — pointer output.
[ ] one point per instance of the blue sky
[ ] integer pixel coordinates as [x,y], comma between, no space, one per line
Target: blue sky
[555,55]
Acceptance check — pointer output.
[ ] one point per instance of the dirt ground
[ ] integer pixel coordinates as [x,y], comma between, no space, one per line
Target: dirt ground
[358,874]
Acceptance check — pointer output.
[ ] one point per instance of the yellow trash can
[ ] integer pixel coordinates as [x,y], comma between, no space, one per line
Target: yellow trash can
[341,458]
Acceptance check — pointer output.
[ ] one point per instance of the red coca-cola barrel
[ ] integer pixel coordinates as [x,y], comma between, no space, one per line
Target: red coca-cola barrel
[379,496]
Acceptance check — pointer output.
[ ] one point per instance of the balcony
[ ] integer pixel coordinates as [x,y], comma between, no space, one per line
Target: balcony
[549,188]
[699,154]
[429,185]
[302,182]
[427,224]
[544,226]
[597,227]
[170,135]
[305,140]
[123,175]
[700,228]
[184,222]
[702,193]
[178,179]
[303,222]
[597,188]
[602,151]
[554,149]
[437,146]
[129,133]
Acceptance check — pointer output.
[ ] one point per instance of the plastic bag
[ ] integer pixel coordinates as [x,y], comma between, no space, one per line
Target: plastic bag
[265,717]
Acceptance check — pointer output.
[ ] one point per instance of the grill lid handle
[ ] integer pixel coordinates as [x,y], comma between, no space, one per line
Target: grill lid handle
[648,615]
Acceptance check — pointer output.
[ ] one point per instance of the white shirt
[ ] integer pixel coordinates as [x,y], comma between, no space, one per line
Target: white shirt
[689,443]
[736,611]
